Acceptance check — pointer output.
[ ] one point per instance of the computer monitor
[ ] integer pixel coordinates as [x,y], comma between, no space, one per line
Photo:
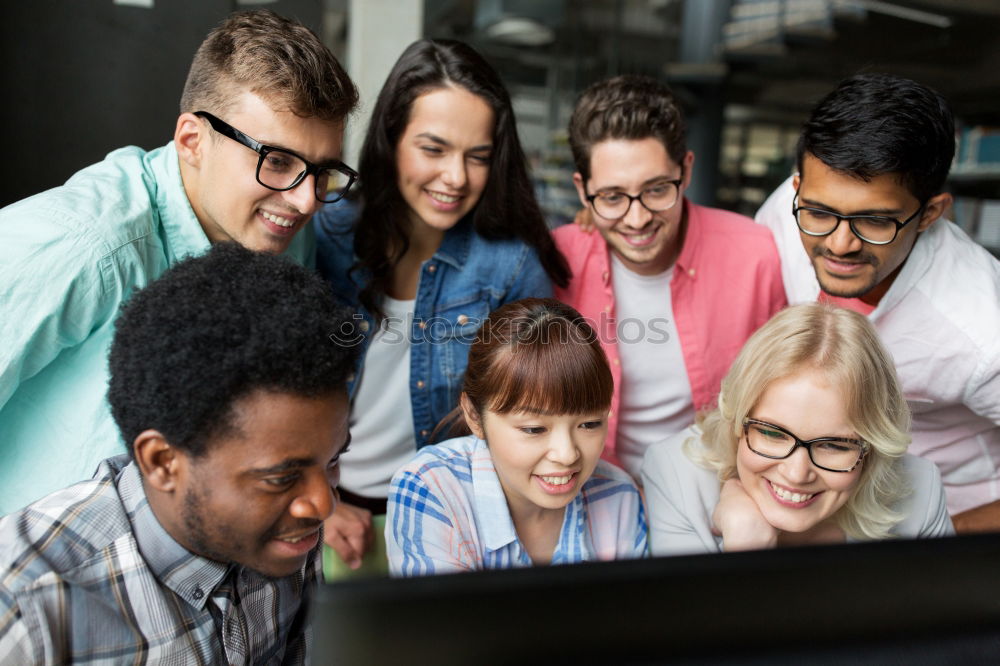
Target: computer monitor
[928,601]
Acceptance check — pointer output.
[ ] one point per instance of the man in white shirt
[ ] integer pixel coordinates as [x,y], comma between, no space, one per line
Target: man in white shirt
[867,205]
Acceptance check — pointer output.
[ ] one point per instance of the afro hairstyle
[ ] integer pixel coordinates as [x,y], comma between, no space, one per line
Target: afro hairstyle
[216,328]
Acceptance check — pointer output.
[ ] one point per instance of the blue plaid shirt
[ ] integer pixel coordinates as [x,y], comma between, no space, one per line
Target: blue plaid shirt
[447,512]
[88,575]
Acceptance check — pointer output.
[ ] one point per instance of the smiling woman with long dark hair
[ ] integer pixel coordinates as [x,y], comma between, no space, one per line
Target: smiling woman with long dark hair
[448,229]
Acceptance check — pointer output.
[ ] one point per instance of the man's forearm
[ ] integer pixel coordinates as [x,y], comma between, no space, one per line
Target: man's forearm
[985,518]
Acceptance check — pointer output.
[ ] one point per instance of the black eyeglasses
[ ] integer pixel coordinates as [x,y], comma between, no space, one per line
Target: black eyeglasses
[834,454]
[658,197]
[280,170]
[874,229]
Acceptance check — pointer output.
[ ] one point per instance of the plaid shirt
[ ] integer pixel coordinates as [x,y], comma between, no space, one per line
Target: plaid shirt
[88,575]
[447,512]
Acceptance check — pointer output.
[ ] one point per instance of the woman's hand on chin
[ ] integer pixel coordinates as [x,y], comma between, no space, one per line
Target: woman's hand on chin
[740,523]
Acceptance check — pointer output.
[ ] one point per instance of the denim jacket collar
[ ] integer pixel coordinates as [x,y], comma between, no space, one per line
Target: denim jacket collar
[454,248]
[454,251]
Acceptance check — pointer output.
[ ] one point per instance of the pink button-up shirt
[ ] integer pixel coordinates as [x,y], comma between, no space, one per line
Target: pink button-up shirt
[726,283]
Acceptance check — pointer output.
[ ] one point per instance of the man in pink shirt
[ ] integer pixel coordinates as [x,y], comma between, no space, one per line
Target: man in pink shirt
[868,206]
[672,288]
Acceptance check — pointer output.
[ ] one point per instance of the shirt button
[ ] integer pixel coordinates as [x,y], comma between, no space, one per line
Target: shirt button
[198,594]
[607,308]
[422,325]
[617,362]
[604,276]
[363,326]
[432,268]
[462,320]
[350,377]
[691,272]
[420,383]
[424,433]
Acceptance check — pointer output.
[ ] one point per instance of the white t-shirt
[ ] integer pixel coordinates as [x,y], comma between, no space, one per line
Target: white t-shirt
[382,437]
[655,391]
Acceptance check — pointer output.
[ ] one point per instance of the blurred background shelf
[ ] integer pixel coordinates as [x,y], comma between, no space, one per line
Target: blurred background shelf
[89,76]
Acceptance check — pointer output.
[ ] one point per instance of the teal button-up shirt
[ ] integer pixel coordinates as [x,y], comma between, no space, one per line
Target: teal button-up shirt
[69,257]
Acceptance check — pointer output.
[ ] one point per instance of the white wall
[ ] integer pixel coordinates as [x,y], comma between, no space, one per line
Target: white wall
[378,32]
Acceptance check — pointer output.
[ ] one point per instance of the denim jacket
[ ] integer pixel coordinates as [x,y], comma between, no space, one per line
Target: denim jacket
[466,279]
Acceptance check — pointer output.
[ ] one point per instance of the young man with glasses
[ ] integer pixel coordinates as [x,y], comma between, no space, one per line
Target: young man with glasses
[672,288]
[255,152]
[867,204]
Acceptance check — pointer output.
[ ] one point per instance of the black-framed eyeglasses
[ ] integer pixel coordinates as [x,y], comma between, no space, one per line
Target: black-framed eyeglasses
[656,198]
[834,454]
[280,169]
[874,229]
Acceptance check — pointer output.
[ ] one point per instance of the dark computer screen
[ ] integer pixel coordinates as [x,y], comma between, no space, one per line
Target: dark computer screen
[907,602]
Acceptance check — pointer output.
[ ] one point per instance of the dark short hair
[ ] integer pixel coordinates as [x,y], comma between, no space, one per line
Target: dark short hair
[280,60]
[874,124]
[507,207]
[538,354]
[214,329]
[629,107]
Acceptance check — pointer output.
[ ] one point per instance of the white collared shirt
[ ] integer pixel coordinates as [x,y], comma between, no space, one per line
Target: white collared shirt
[940,321]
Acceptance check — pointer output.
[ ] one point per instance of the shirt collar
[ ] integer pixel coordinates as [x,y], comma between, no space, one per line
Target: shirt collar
[492,513]
[454,248]
[601,252]
[688,257]
[185,237]
[575,544]
[189,576]
[497,527]
[917,263]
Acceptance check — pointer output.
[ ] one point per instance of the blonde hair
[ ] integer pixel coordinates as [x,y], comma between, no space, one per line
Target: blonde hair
[845,348]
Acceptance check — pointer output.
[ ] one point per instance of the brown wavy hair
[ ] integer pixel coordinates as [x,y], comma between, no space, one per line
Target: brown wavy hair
[629,107]
[280,60]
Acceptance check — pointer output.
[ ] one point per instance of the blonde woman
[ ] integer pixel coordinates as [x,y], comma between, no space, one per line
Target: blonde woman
[807,446]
